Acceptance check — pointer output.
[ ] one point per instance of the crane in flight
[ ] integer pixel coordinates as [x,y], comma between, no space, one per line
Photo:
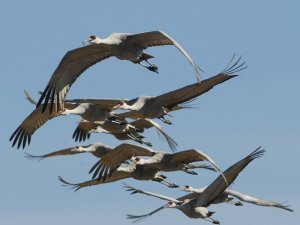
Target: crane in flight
[123,46]
[195,205]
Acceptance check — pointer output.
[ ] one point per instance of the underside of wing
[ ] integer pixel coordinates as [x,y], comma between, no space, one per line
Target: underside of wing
[149,39]
[112,160]
[82,131]
[173,98]
[98,101]
[218,186]
[34,121]
[69,69]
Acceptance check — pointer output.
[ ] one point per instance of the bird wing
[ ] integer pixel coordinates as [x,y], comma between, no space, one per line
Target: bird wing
[138,218]
[29,98]
[66,151]
[256,201]
[107,102]
[82,131]
[148,39]
[181,95]
[35,120]
[189,156]
[158,38]
[219,185]
[135,190]
[113,159]
[69,69]
[117,175]
[147,123]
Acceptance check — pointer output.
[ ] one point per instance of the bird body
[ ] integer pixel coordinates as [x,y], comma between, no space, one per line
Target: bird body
[122,131]
[123,46]
[87,111]
[196,205]
[134,171]
[169,162]
[96,149]
[159,106]
[228,195]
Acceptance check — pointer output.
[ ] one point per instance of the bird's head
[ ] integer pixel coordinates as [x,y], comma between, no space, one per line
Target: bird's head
[93,39]
[171,204]
[187,188]
[120,105]
[137,160]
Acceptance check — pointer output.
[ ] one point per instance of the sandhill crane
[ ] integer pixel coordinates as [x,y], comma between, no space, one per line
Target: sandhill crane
[123,151]
[131,131]
[228,195]
[197,207]
[124,46]
[90,112]
[138,172]
[161,161]
[119,131]
[159,106]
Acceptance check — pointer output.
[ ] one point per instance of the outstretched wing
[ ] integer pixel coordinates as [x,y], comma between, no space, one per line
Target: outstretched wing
[189,156]
[22,135]
[138,218]
[117,175]
[69,69]
[158,38]
[256,201]
[219,185]
[66,151]
[173,98]
[135,190]
[106,102]
[148,123]
[82,131]
[113,159]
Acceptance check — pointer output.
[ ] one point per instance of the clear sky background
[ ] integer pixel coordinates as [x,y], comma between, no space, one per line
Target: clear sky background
[260,107]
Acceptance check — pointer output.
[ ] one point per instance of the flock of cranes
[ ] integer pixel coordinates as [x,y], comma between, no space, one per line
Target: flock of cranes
[129,160]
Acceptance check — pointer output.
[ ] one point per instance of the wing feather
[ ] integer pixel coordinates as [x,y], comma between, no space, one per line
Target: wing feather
[72,65]
[113,159]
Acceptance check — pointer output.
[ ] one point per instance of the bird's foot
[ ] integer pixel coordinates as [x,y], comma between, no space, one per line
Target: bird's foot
[147,143]
[191,172]
[163,176]
[153,68]
[238,204]
[165,121]
[173,186]
[216,222]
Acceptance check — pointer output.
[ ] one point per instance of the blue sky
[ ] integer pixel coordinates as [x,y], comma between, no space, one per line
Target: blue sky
[260,107]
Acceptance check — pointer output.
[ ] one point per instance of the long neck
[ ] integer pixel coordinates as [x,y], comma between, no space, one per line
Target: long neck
[130,107]
[77,111]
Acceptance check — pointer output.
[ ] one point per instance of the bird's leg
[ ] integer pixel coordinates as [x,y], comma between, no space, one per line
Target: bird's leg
[188,169]
[192,172]
[161,179]
[230,201]
[212,220]
[152,67]
[139,140]
[163,119]
[168,184]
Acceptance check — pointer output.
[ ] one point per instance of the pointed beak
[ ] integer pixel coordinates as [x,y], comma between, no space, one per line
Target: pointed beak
[85,42]
[116,106]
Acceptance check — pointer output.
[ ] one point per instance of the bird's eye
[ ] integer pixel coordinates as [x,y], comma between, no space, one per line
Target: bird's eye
[137,159]
[187,186]
[93,37]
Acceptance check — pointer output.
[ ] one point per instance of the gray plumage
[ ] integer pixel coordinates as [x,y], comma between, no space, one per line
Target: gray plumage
[124,46]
